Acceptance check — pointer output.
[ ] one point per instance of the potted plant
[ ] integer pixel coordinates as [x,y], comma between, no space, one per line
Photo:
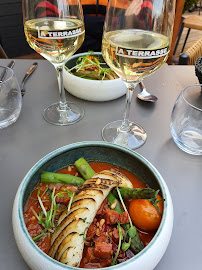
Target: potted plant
[190,5]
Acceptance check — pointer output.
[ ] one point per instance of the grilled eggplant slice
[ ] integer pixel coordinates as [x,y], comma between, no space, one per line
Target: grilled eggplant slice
[67,242]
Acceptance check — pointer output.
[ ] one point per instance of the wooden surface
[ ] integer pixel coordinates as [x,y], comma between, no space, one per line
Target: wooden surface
[193,36]
[193,22]
[178,15]
[2,53]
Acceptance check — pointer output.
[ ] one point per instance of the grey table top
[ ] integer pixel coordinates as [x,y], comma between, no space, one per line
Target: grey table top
[31,137]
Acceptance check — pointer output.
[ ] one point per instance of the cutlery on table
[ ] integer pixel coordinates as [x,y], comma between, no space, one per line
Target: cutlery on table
[28,73]
[144,95]
[3,74]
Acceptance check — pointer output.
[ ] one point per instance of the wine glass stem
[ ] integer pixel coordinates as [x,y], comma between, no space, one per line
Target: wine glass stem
[63,103]
[129,95]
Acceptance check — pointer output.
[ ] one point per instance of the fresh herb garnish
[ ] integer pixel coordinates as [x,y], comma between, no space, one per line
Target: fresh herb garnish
[154,201]
[132,231]
[46,218]
[119,244]
[38,237]
[125,246]
[91,67]
[49,191]
[84,231]
[70,201]
[124,207]
[84,220]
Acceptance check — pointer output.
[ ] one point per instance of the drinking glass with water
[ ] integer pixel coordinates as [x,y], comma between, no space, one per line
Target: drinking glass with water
[186,120]
[10,98]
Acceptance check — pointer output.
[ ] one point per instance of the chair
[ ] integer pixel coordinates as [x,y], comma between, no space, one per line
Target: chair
[191,22]
[178,15]
[192,53]
[199,9]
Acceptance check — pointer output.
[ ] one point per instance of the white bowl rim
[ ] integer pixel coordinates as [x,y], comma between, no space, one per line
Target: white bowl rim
[62,149]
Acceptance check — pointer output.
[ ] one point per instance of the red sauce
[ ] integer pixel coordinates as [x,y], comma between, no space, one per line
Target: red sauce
[92,256]
[100,166]
[32,206]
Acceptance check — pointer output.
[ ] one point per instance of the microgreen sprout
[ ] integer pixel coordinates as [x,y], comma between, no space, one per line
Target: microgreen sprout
[40,202]
[132,231]
[84,232]
[46,218]
[119,244]
[125,246]
[37,238]
[84,220]
[91,67]
[34,212]
[155,202]
[124,207]
[70,202]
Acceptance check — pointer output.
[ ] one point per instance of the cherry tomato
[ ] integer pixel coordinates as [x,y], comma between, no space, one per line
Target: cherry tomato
[145,215]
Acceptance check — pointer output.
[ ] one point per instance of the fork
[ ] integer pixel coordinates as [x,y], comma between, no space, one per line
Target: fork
[28,73]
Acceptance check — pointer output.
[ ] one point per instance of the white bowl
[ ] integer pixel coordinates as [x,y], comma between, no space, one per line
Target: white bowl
[92,90]
[148,258]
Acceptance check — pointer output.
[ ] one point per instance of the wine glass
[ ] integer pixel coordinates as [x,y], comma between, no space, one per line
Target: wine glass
[56,31]
[136,42]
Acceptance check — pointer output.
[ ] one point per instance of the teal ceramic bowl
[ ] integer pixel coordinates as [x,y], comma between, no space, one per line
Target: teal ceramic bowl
[149,257]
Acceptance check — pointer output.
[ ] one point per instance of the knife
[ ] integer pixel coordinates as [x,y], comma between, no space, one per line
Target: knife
[3,74]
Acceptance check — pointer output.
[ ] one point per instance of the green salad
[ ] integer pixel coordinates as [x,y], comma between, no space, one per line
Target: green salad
[92,67]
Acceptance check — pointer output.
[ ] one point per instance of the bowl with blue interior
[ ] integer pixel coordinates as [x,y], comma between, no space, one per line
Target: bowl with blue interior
[92,205]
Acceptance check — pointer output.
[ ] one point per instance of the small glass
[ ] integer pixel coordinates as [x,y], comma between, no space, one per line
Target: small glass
[186,120]
[10,98]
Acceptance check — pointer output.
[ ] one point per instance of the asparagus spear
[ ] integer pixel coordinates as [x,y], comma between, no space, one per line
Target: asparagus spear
[111,199]
[84,168]
[50,177]
[127,193]
[137,193]
[136,245]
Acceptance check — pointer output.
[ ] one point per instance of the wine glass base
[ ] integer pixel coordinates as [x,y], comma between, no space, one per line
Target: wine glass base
[132,138]
[70,114]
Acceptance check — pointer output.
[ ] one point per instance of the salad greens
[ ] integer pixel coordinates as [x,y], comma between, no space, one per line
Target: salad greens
[92,67]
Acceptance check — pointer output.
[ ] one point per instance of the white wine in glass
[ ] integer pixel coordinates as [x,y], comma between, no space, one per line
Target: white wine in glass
[136,42]
[56,31]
